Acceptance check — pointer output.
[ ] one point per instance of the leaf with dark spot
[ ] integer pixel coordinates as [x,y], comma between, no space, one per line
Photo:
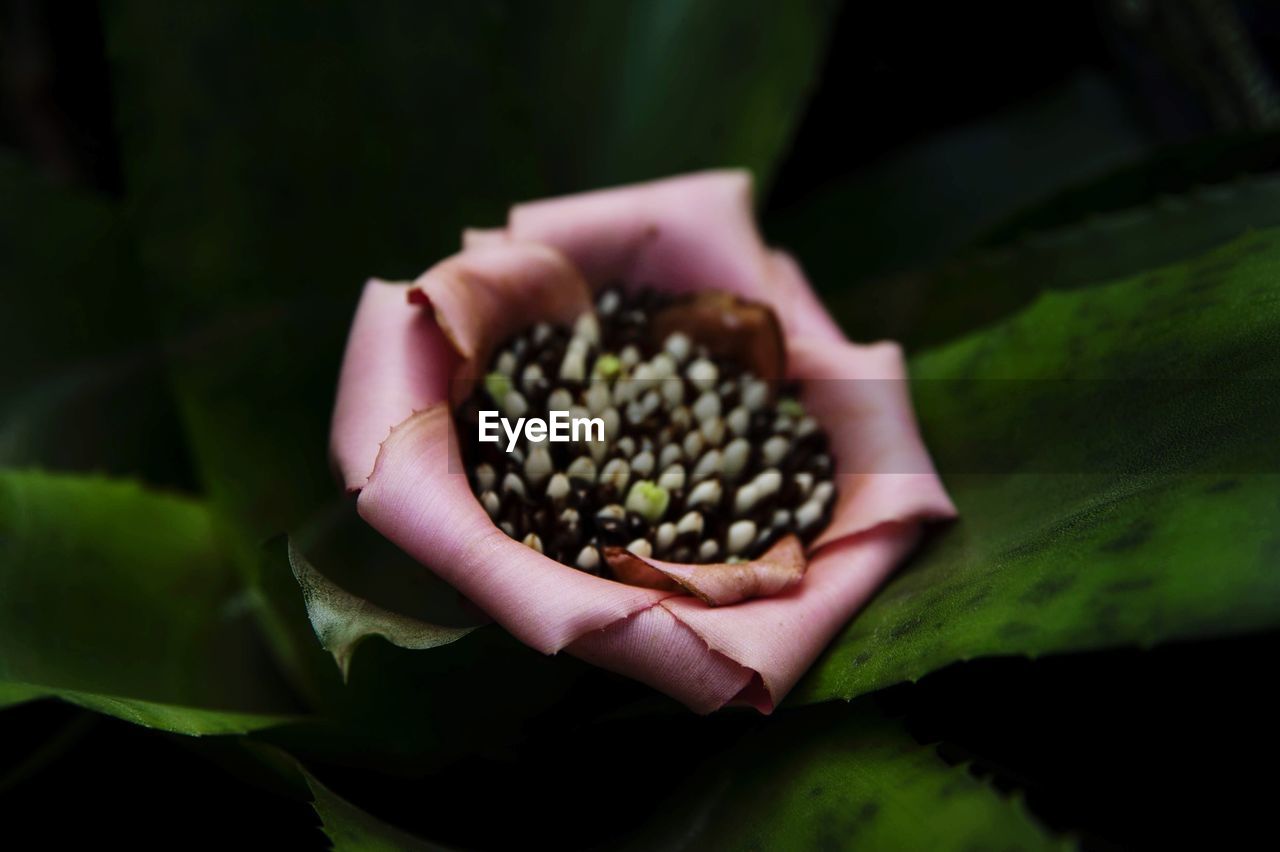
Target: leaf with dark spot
[838,778]
[1131,502]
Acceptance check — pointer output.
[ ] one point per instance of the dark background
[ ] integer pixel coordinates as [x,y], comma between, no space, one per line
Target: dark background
[1122,748]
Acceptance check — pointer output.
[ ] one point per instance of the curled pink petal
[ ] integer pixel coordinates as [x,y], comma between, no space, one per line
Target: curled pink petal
[419,498]
[859,395]
[653,647]
[485,294]
[685,234]
[722,583]
[688,233]
[755,651]
[802,314]
[779,637]
[480,237]
[396,362]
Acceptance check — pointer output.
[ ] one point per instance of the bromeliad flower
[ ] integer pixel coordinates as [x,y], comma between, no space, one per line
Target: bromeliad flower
[744,477]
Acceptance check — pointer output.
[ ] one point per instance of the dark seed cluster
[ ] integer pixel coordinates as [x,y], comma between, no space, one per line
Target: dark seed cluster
[701,460]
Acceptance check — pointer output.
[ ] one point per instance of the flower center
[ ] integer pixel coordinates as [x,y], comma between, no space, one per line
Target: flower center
[693,459]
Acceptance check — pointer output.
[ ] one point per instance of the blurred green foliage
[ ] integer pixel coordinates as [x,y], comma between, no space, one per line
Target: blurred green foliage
[187,337]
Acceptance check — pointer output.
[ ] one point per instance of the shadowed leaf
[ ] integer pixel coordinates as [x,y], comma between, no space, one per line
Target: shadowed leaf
[82,378]
[839,778]
[352,830]
[342,620]
[1112,452]
[121,600]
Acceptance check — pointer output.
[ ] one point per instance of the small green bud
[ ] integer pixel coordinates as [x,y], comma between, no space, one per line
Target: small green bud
[497,385]
[790,407]
[648,500]
[608,366]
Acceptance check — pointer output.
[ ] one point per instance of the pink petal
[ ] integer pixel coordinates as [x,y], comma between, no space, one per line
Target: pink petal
[803,315]
[653,647]
[860,396]
[684,234]
[419,498]
[752,652]
[396,362]
[687,233]
[480,237]
[485,294]
[779,637]
[718,584]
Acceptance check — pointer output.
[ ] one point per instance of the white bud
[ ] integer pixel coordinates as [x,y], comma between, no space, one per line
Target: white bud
[665,536]
[713,431]
[755,394]
[735,457]
[642,464]
[691,523]
[558,487]
[616,473]
[808,514]
[678,345]
[708,465]
[706,407]
[640,547]
[511,484]
[768,482]
[582,468]
[703,374]
[538,466]
[559,400]
[587,328]
[597,396]
[804,482]
[588,558]
[775,450]
[672,478]
[740,536]
[707,492]
[514,405]
[506,363]
[670,454]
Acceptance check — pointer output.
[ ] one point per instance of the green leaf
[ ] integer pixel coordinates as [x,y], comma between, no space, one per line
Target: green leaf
[843,778]
[650,89]
[82,381]
[399,708]
[352,830]
[342,620]
[921,205]
[121,599]
[1168,172]
[13,694]
[978,288]
[433,117]
[178,719]
[1112,452]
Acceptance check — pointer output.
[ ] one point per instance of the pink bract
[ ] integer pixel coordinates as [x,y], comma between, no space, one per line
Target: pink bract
[415,347]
